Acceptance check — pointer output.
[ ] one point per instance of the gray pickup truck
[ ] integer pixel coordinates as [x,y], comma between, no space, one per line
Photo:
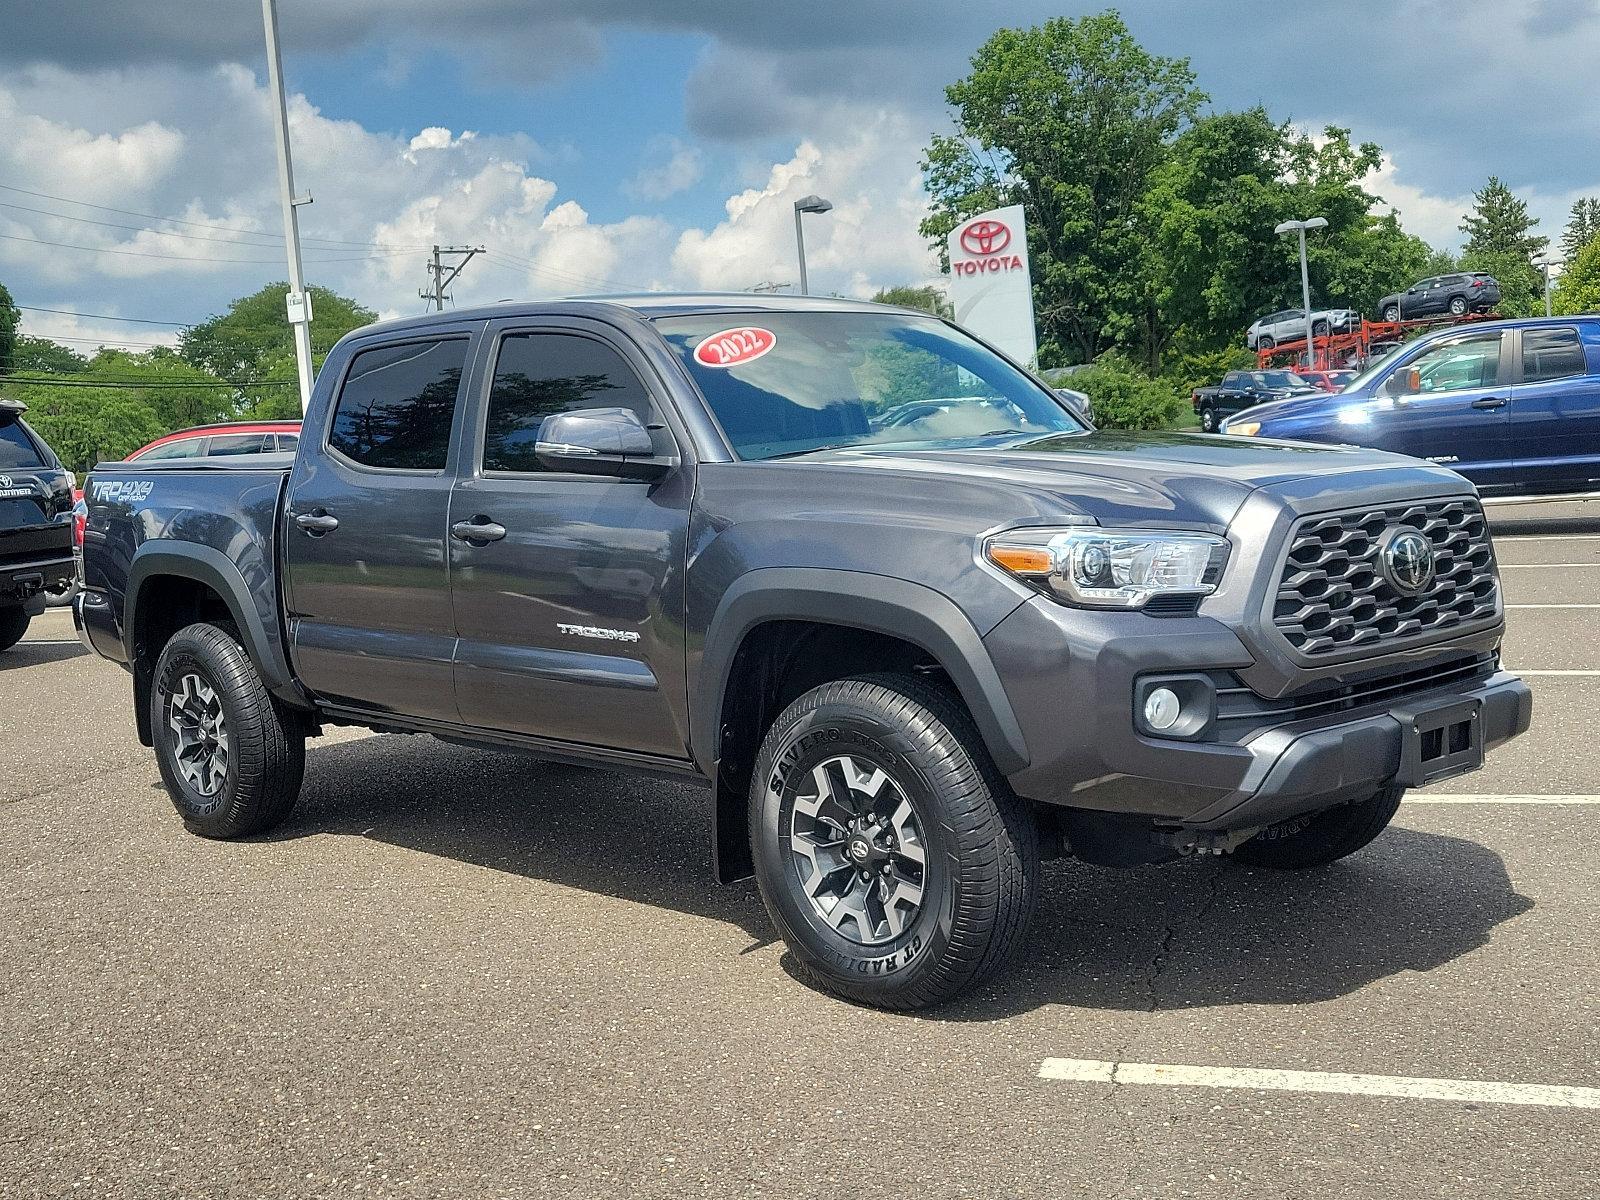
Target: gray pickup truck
[911,622]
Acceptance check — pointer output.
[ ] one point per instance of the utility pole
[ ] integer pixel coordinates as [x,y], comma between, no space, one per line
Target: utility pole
[298,299]
[1305,278]
[443,277]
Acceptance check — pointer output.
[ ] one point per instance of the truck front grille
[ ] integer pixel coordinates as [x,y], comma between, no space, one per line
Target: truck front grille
[1335,593]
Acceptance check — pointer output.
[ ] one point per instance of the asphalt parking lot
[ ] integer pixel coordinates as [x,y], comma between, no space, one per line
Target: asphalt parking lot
[464,974]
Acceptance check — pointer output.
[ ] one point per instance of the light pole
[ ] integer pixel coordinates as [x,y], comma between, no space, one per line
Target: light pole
[806,204]
[298,299]
[1545,262]
[1300,227]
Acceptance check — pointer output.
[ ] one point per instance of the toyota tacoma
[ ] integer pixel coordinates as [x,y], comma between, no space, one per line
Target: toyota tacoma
[912,623]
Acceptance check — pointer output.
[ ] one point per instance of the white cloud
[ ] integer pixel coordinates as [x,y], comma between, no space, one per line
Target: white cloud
[674,166]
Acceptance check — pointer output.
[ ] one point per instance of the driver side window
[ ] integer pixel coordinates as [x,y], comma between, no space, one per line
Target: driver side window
[1453,367]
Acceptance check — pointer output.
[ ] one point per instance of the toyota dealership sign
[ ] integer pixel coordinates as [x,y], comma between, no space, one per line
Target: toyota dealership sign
[989,281]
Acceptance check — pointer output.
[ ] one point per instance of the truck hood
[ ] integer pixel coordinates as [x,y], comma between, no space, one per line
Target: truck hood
[1126,478]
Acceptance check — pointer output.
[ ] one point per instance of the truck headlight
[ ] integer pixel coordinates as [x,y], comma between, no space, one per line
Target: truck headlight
[1100,568]
[1242,428]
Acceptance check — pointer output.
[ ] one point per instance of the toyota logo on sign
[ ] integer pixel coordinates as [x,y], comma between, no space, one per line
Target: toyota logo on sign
[985,237]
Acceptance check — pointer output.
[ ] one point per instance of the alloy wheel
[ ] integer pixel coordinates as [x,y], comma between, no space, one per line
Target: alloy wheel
[858,851]
[199,731]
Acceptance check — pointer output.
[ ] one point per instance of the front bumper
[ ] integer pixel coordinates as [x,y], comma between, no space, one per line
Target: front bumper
[1071,676]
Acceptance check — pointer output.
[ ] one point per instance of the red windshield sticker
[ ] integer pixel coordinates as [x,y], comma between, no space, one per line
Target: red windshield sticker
[734,347]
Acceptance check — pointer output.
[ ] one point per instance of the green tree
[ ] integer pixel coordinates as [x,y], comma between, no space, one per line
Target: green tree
[86,425]
[928,299]
[1501,241]
[10,318]
[1578,290]
[1069,119]
[1582,227]
[38,354]
[176,393]
[248,339]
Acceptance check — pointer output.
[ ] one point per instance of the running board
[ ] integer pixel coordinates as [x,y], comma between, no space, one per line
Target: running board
[1571,497]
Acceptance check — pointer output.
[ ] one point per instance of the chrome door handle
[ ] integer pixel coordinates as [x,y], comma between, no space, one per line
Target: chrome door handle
[478,530]
[1489,402]
[317,522]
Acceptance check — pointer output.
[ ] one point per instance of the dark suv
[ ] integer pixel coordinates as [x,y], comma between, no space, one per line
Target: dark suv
[35,524]
[1458,295]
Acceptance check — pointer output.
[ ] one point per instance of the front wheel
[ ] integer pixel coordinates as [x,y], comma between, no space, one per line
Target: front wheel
[1317,839]
[1208,419]
[891,854]
[230,755]
[1392,313]
[1265,343]
[13,624]
[1320,329]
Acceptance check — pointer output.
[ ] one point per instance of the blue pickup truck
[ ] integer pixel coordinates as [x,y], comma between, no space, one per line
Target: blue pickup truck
[1512,405]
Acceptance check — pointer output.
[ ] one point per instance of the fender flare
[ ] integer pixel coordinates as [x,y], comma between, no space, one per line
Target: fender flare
[853,599]
[203,564]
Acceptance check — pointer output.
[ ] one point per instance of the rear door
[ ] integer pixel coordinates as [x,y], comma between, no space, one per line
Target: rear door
[1448,404]
[367,577]
[1554,420]
[571,621]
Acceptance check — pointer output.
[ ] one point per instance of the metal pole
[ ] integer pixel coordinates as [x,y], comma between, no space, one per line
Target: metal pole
[1545,263]
[800,244]
[299,304]
[438,282]
[1305,294]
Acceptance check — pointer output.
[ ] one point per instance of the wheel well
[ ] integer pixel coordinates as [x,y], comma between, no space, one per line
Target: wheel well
[166,603]
[776,663]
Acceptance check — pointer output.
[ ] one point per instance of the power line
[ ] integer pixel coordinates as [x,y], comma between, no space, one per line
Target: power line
[11,237]
[67,312]
[522,266]
[126,212]
[194,237]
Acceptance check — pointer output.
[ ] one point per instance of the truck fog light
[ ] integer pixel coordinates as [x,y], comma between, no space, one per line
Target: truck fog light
[1161,709]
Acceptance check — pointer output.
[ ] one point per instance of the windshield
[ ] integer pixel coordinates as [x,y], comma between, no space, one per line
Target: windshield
[790,383]
[1281,379]
[1374,368]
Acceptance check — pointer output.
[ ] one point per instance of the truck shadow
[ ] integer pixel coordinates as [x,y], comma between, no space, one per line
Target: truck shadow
[37,654]
[1186,935]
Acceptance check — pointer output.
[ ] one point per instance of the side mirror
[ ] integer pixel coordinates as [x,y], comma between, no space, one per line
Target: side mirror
[1403,383]
[600,441]
[1079,404]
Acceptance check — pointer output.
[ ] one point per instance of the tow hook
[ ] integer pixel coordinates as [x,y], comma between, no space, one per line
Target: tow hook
[1196,843]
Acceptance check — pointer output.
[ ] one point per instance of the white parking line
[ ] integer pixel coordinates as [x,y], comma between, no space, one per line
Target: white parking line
[1548,537]
[1509,606]
[1538,566]
[1471,1091]
[1531,674]
[1491,798]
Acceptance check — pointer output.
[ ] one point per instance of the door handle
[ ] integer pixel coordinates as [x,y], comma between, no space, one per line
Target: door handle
[317,522]
[479,529]
[1489,402]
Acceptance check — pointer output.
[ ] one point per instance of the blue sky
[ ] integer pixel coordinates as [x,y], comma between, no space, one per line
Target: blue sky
[592,144]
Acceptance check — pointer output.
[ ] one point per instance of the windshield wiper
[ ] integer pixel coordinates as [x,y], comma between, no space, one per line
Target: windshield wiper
[813,450]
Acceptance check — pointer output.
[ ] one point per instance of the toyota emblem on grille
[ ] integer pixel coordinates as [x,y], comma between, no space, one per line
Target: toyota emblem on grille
[1408,561]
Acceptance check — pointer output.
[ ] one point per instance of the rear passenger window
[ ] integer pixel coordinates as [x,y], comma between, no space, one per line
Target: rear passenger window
[17,448]
[288,441]
[1551,354]
[540,374]
[239,443]
[397,404]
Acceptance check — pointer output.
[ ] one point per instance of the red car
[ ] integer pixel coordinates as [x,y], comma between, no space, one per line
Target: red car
[1327,381]
[230,437]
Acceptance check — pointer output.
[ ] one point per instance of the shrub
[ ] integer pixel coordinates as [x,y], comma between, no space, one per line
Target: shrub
[1125,397]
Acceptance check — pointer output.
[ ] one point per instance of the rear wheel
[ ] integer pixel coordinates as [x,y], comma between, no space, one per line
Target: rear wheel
[230,755]
[1317,839]
[13,624]
[1458,306]
[892,856]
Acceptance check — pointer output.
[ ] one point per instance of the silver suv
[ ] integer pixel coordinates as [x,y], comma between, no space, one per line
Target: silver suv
[1289,325]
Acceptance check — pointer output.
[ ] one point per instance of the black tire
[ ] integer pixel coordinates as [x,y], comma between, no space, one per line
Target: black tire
[1458,306]
[1317,839]
[1266,343]
[13,624]
[1392,313]
[263,741]
[978,841]
[1319,329]
[1208,418]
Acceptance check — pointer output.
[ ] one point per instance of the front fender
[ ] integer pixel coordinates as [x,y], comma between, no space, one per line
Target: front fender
[857,600]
